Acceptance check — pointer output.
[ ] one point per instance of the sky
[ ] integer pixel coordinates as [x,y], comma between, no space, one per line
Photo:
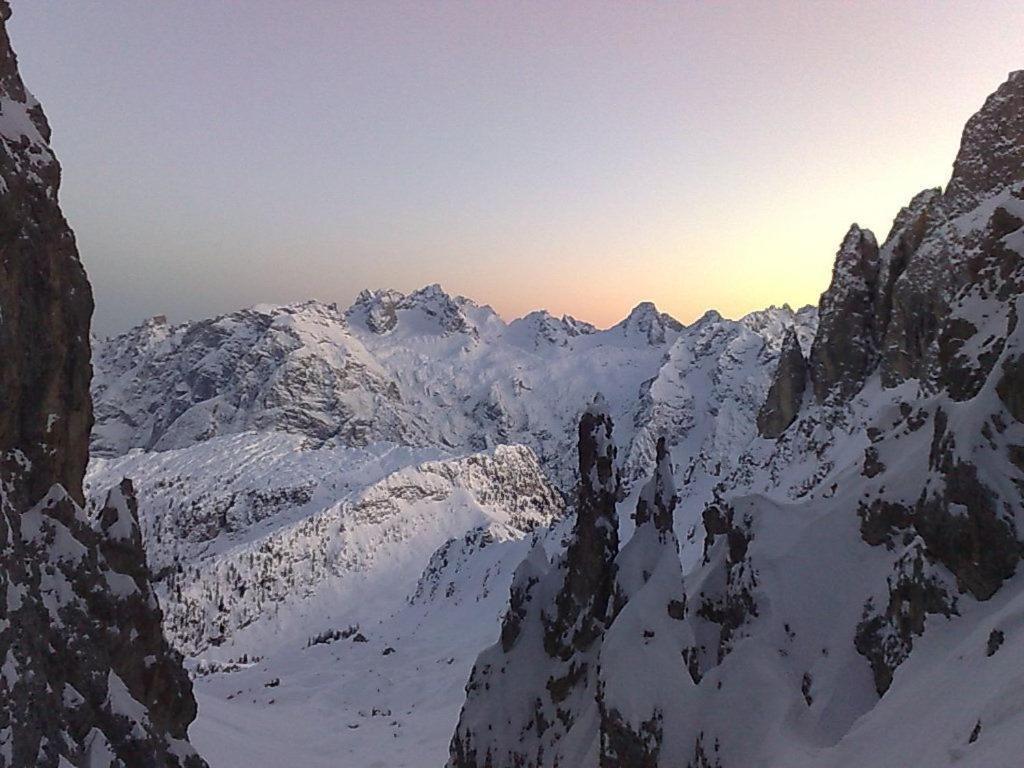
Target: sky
[576,156]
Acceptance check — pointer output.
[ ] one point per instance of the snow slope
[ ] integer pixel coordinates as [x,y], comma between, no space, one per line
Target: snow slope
[256,541]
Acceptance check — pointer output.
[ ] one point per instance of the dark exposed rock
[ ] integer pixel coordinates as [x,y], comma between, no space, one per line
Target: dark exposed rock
[582,603]
[995,642]
[566,624]
[658,501]
[46,302]
[622,746]
[872,465]
[1011,387]
[916,589]
[975,733]
[987,160]
[893,304]
[805,688]
[903,343]
[735,604]
[880,520]
[701,758]
[964,530]
[512,622]
[958,524]
[845,348]
[909,228]
[993,271]
[88,677]
[561,687]
[787,390]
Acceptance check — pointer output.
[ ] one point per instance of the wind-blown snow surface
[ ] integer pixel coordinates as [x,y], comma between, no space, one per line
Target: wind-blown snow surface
[303,470]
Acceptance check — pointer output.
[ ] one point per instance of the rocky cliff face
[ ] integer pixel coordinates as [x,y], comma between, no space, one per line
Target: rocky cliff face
[87,678]
[887,509]
[845,348]
[786,394]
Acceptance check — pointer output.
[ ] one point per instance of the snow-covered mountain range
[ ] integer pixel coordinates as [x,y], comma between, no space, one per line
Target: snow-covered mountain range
[303,469]
[432,370]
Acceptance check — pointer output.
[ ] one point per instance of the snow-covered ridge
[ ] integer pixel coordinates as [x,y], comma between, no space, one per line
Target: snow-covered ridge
[423,369]
[253,528]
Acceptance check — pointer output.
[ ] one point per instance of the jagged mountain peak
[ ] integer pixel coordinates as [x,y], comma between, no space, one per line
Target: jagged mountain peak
[434,293]
[919,203]
[578,327]
[991,152]
[710,316]
[541,327]
[425,311]
[646,321]
[844,351]
[375,309]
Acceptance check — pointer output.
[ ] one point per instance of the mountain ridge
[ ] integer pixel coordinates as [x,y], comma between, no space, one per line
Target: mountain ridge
[436,371]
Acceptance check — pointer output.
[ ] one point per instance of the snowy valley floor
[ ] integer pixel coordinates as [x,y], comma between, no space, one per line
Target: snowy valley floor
[345,703]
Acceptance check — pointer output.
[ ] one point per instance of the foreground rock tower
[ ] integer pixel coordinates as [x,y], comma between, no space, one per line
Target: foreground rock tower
[87,678]
[560,686]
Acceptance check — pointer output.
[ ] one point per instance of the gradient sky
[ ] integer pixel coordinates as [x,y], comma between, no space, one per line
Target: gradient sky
[576,156]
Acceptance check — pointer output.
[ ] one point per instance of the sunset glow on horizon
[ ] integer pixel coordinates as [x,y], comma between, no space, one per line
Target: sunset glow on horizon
[577,157]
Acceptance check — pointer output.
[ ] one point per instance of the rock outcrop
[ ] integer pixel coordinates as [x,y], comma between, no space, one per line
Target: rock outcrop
[787,390]
[87,677]
[552,630]
[990,157]
[845,349]
[581,606]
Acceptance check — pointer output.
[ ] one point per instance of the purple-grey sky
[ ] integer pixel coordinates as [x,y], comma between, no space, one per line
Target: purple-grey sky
[579,156]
